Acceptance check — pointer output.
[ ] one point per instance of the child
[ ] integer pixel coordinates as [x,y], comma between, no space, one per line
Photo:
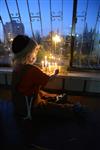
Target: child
[27,80]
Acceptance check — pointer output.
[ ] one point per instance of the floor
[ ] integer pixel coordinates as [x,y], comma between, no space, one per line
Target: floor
[54,133]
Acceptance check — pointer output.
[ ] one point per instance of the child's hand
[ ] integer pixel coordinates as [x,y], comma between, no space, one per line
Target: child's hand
[56,71]
[43,102]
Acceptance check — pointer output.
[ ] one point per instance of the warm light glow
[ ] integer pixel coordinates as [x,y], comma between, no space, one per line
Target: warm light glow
[45,57]
[56,38]
[49,65]
[11,39]
[42,64]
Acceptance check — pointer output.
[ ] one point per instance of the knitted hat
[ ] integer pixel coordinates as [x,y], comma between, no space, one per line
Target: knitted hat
[22,43]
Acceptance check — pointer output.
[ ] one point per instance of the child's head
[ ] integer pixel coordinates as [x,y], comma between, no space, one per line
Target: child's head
[25,50]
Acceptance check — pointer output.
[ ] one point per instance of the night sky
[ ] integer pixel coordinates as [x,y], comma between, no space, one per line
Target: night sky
[63,27]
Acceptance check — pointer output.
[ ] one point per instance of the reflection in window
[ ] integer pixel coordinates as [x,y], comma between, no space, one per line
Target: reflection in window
[87,38]
[46,24]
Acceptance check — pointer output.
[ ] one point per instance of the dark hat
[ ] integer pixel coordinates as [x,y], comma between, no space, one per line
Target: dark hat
[20,42]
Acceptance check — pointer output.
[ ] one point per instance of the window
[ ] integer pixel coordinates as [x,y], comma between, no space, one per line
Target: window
[86,25]
[68,31]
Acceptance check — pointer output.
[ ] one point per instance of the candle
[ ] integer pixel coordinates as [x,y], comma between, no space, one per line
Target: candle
[49,65]
[42,64]
[56,66]
[49,68]
[59,69]
[46,63]
[45,58]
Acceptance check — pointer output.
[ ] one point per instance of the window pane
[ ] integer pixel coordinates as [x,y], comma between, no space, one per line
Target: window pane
[45,21]
[87,38]
[49,21]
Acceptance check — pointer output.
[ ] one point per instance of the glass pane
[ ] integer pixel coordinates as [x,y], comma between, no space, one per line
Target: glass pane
[87,39]
[49,21]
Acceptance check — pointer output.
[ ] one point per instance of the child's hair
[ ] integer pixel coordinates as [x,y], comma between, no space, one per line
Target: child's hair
[23,47]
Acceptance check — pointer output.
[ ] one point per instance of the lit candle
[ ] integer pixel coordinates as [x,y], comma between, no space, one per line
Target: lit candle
[45,58]
[52,57]
[49,67]
[46,63]
[56,66]
[59,69]
[42,62]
